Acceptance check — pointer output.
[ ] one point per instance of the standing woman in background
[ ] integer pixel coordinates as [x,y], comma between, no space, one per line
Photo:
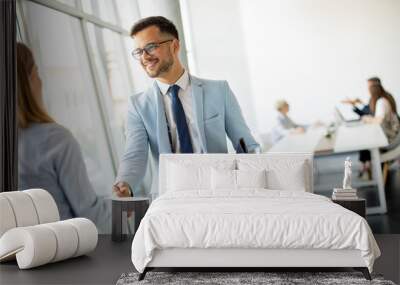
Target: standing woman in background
[49,157]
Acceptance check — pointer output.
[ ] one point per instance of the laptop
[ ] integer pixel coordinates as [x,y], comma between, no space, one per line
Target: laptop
[347,116]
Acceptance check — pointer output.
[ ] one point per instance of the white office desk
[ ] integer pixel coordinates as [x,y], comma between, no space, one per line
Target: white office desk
[365,136]
[345,139]
[306,142]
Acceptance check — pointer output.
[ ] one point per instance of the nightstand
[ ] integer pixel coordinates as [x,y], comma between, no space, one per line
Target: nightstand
[138,205]
[356,205]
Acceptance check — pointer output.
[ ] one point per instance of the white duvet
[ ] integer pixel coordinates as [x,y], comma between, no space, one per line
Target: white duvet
[253,218]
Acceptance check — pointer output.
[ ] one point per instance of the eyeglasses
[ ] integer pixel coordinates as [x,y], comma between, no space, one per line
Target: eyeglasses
[149,49]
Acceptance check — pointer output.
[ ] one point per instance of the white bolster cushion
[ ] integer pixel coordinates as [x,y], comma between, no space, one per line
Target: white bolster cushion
[40,244]
[67,240]
[87,235]
[33,246]
[26,208]
[7,219]
[46,207]
[23,208]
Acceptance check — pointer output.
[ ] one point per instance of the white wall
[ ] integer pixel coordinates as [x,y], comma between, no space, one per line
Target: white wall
[312,53]
[218,47]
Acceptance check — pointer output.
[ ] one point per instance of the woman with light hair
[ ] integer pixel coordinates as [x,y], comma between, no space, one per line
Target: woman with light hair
[284,124]
[49,157]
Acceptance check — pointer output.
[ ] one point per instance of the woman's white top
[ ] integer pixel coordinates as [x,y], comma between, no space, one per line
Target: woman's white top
[390,123]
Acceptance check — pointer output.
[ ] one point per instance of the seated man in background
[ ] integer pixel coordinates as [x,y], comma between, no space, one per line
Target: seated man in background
[284,124]
[179,113]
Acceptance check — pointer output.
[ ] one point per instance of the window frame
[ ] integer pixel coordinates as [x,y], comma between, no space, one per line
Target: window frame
[85,18]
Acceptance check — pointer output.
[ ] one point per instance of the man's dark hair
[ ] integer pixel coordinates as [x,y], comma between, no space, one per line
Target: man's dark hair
[165,26]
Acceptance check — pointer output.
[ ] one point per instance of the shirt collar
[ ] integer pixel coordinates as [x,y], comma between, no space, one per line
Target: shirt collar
[182,82]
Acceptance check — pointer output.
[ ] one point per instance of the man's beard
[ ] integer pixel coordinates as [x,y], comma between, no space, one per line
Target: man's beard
[164,67]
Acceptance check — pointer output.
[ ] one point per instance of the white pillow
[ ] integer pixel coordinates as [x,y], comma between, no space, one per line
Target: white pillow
[282,174]
[225,179]
[251,178]
[183,178]
[293,179]
[184,175]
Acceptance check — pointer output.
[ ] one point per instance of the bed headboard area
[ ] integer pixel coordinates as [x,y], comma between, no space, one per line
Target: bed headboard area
[284,171]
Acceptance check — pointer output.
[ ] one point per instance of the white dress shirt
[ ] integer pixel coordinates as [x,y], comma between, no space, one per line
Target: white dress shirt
[185,95]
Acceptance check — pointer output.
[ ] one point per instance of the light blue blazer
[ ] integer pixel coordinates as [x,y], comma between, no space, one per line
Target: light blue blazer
[217,115]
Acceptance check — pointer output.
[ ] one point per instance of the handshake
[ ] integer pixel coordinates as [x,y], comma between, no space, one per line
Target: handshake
[122,189]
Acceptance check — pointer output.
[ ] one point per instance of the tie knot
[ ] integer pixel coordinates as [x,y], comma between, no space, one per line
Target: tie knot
[174,89]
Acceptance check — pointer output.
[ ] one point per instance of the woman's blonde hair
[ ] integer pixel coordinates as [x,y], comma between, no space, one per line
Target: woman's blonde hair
[280,104]
[29,109]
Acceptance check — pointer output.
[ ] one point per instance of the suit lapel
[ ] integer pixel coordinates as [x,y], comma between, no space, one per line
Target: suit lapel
[198,105]
[164,145]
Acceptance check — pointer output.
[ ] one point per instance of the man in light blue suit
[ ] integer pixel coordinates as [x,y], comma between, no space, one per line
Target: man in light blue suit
[179,113]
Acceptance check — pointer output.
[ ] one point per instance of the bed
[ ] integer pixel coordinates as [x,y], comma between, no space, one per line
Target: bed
[245,211]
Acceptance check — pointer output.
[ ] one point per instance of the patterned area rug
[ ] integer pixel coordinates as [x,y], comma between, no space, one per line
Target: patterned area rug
[230,278]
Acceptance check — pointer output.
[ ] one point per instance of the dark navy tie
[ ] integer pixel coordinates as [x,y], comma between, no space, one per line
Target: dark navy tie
[180,121]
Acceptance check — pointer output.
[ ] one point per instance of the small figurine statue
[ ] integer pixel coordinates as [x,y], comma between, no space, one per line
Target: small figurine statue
[347,174]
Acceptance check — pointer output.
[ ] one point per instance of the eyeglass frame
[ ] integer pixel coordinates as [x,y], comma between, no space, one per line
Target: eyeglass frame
[153,46]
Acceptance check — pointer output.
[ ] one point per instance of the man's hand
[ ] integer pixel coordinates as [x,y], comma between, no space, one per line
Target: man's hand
[121,189]
[298,130]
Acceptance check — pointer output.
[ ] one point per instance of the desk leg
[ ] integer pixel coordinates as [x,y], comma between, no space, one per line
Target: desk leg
[378,177]
[116,221]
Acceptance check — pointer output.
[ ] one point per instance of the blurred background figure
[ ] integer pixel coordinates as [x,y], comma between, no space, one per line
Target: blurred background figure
[49,157]
[284,124]
[358,106]
[382,110]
